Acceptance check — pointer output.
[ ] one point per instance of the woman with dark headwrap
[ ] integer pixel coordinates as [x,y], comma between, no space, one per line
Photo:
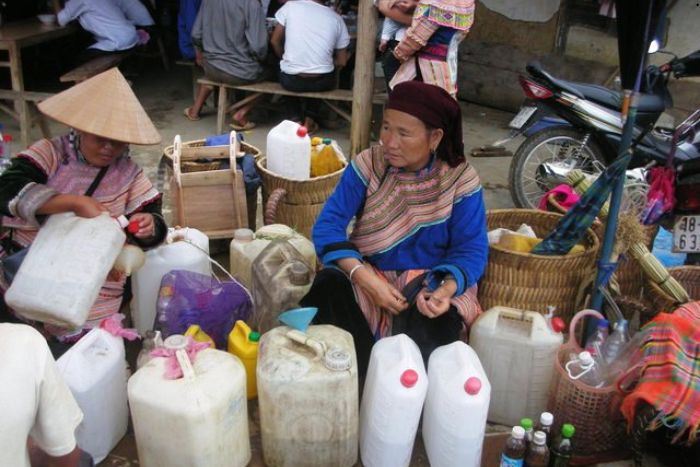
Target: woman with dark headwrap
[418,245]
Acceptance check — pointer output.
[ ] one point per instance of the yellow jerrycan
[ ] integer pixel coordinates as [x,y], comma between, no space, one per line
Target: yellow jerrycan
[243,343]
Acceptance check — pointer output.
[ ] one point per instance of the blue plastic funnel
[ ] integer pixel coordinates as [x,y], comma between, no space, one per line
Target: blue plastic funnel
[298,318]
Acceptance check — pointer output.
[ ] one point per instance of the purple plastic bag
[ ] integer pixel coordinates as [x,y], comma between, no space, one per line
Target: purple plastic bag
[187,298]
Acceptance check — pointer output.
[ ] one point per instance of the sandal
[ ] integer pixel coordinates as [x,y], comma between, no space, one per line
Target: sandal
[238,126]
[186,112]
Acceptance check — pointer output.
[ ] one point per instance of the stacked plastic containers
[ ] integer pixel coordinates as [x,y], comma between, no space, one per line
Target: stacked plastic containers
[308,397]
[454,416]
[289,151]
[199,420]
[246,246]
[281,277]
[65,268]
[184,249]
[95,371]
[394,392]
[517,350]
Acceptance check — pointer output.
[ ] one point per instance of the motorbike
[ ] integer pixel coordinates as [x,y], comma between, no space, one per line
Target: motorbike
[579,126]
[570,125]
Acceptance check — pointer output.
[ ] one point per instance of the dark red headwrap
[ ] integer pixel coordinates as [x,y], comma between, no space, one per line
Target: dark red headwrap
[437,109]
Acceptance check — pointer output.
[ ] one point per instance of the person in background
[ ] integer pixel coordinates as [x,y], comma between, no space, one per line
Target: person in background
[185,22]
[392,32]
[53,175]
[312,40]
[428,50]
[39,413]
[115,24]
[418,244]
[230,42]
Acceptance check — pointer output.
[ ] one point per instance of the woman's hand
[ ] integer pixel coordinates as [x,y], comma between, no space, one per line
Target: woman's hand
[86,206]
[147,227]
[436,303]
[382,294]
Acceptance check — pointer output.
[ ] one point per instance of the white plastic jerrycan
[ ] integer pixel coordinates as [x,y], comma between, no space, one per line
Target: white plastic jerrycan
[308,397]
[454,416]
[199,420]
[65,268]
[184,248]
[517,350]
[246,246]
[289,151]
[95,371]
[392,400]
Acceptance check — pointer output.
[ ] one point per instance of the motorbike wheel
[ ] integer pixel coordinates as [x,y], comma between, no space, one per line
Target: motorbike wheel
[545,158]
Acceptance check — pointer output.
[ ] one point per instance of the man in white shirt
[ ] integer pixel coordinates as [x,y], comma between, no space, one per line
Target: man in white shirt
[312,40]
[112,22]
[38,410]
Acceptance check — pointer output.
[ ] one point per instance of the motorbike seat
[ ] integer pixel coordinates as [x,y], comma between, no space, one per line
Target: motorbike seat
[609,98]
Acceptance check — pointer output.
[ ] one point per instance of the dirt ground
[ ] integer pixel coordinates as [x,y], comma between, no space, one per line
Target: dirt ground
[166,95]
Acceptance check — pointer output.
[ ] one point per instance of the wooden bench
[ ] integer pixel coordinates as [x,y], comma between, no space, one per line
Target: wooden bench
[27,96]
[272,87]
[94,67]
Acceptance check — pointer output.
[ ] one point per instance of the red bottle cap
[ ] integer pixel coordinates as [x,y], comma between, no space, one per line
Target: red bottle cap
[472,386]
[7,138]
[133,227]
[302,131]
[558,324]
[409,378]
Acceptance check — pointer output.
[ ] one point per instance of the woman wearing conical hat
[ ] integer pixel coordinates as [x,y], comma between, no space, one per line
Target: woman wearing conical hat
[53,175]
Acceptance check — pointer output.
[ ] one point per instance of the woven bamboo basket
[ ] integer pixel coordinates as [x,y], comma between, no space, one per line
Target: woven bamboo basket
[534,282]
[629,275]
[689,278]
[296,203]
[195,166]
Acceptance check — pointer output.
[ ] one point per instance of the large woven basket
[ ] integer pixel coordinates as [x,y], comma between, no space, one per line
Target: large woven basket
[192,166]
[595,412]
[629,275]
[296,203]
[534,282]
[689,278]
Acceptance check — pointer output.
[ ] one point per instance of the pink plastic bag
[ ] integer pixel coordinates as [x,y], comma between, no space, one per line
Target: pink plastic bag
[661,196]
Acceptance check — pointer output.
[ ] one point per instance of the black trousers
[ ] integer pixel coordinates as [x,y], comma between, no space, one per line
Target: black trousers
[316,83]
[332,294]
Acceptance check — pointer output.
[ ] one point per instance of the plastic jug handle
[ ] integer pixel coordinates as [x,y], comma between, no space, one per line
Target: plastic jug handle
[586,369]
[318,347]
[185,364]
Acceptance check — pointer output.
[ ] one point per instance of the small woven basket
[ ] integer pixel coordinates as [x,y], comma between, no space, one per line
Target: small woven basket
[595,412]
[296,203]
[200,166]
[534,282]
[689,278]
[629,275]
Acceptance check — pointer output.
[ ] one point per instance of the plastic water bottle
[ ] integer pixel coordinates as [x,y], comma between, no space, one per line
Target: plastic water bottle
[513,454]
[596,341]
[538,453]
[583,367]
[613,345]
[545,426]
[562,447]
[527,425]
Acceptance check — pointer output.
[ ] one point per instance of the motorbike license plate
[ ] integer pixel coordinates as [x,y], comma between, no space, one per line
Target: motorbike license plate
[522,117]
[686,234]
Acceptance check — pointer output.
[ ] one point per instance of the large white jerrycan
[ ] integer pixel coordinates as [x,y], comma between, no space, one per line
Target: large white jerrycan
[517,350]
[65,268]
[392,400]
[308,397]
[199,420]
[184,248]
[454,416]
[95,371]
[289,151]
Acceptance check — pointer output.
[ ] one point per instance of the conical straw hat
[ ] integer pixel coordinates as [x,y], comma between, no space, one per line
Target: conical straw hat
[103,105]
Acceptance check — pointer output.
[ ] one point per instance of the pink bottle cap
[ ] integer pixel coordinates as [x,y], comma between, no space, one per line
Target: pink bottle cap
[302,131]
[558,324]
[409,378]
[472,385]
[133,227]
